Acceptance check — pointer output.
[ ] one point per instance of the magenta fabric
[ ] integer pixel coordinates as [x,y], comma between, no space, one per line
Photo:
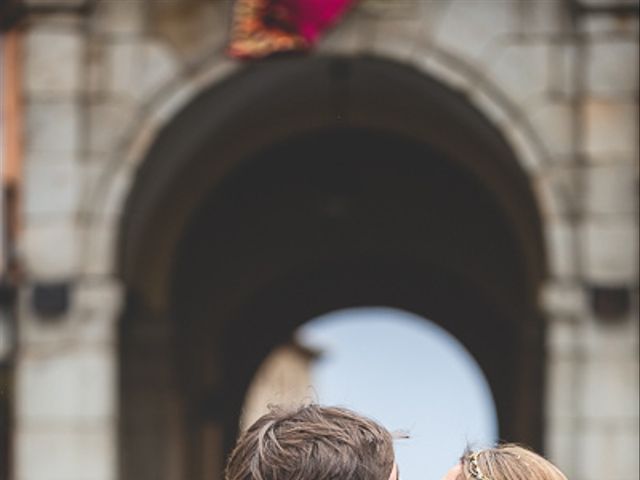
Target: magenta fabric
[312,17]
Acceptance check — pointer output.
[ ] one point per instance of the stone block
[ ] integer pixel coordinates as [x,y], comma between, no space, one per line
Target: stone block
[557,190]
[521,71]
[611,26]
[549,17]
[51,184]
[561,400]
[99,254]
[399,9]
[489,104]
[102,189]
[609,3]
[398,40]
[401,30]
[565,300]
[53,62]
[612,189]
[607,452]
[110,121]
[561,336]
[32,330]
[91,320]
[560,442]
[530,157]
[351,36]
[610,128]
[95,171]
[66,453]
[223,68]
[52,126]
[629,446]
[169,107]
[65,383]
[612,68]
[597,454]
[193,29]
[50,249]
[115,17]
[145,135]
[610,341]
[609,388]
[66,3]
[137,70]
[563,60]
[553,122]
[454,78]
[95,70]
[97,306]
[122,64]
[111,204]
[610,252]
[419,18]
[471,29]
[561,248]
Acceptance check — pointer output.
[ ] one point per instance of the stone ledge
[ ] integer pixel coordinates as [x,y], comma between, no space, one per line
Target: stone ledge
[611,189]
[561,246]
[53,63]
[52,126]
[67,384]
[612,68]
[610,128]
[565,300]
[609,387]
[50,248]
[51,187]
[607,454]
[70,453]
[90,321]
[610,251]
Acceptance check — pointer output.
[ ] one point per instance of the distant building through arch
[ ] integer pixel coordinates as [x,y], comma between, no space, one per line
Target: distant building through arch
[284,379]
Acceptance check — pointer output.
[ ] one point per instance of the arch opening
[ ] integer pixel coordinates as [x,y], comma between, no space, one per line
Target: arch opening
[397,367]
[358,184]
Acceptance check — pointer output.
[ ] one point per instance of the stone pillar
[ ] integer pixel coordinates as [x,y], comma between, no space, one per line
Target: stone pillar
[66,388]
[593,365]
[607,431]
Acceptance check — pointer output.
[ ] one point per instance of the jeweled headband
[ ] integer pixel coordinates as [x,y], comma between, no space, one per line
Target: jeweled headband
[474,468]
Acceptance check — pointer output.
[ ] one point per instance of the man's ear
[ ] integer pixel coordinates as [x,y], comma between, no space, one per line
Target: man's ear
[394,472]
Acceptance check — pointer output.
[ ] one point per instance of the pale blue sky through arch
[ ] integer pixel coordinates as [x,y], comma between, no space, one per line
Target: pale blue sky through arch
[409,374]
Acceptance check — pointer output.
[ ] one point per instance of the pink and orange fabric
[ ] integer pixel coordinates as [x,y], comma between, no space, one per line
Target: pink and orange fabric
[263,27]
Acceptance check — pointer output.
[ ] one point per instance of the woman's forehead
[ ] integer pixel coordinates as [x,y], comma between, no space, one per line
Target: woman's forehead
[453,473]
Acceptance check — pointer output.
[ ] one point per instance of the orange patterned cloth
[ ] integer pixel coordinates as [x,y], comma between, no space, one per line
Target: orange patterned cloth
[264,27]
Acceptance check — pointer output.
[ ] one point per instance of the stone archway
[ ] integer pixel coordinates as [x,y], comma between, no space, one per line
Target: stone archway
[299,186]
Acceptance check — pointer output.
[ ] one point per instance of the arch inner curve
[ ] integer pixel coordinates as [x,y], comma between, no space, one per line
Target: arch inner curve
[301,186]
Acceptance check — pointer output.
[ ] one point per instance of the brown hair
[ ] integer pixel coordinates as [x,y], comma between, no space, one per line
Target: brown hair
[312,442]
[507,462]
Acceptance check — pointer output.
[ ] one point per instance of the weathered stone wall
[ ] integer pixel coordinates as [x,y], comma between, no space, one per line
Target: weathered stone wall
[98,88]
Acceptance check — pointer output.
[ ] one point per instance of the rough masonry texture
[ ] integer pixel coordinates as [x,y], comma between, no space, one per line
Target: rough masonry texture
[98,88]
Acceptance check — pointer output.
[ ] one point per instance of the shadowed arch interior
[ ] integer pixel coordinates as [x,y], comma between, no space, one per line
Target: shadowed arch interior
[304,185]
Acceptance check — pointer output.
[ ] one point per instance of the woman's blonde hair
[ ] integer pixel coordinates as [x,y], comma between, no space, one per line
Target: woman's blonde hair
[507,462]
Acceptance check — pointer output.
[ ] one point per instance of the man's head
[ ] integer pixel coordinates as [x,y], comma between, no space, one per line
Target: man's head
[313,443]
